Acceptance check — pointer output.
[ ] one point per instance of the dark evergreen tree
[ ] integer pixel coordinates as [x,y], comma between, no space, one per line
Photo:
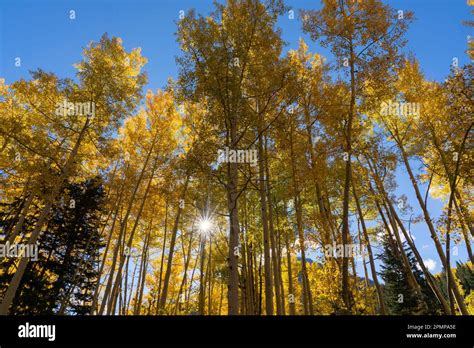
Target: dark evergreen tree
[433,305]
[63,278]
[400,297]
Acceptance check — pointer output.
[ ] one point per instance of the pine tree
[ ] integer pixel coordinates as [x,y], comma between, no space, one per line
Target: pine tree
[65,274]
[400,298]
[77,223]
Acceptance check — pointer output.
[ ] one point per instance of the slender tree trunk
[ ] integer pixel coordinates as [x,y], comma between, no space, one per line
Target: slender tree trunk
[307,298]
[248,300]
[143,272]
[196,262]
[467,238]
[15,282]
[104,258]
[274,253]
[452,177]
[163,248]
[434,236]
[345,290]
[291,290]
[279,260]
[140,210]
[232,194]
[412,282]
[202,285]
[19,224]
[126,299]
[174,232]
[380,297]
[266,237]
[364,264]
[394,216]
[185,272]
[112,268]
[210,278]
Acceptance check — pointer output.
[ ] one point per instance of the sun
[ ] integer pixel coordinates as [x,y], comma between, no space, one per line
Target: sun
[205,225]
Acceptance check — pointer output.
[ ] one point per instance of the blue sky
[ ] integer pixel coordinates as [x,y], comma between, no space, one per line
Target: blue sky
[43,36]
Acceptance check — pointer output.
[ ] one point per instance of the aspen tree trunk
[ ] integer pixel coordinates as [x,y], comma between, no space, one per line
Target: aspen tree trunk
[120,299]
[254,272]
[128,290]
[279,260]
[163,248]
[104,258]
[306,287]
[345,290]
[196,262]
[202,285]
[412,282]
[232,207]
[19,224]
[143,271]
[129,209]
[408,271]
[354,276]
[465,212]
[307,298]
[322,209]
[396,224]
[467,238]
[15,282]
[291,290]
[251,280]
[380,298]
[174,232]
[260,286]
[245,264]
[274,253]
[364,264]
[126,298]
[210,278]
[135,295]
[116,290]
[112,269]
[15,214]
[452,180]
[221,297]
[58,187]
[453,177]
[434,236]
[431,281]
[123,228]
[266,242]
[185,272]
[448,256]
[234,232]
[245,272]
[384,220]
